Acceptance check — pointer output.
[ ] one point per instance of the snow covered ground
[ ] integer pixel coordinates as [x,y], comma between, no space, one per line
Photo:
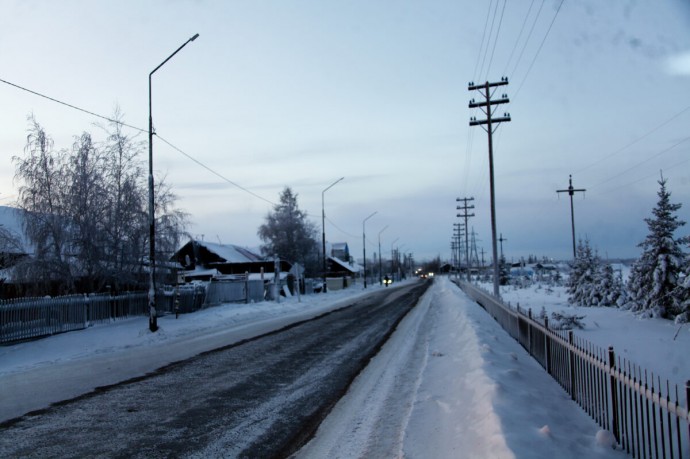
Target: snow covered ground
[657,345]
[449,383]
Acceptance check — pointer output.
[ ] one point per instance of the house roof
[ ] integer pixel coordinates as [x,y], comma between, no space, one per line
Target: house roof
[352,268]
[231,253]
[11,220]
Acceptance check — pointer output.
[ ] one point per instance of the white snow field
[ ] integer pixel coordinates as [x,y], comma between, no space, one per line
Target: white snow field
[449,383]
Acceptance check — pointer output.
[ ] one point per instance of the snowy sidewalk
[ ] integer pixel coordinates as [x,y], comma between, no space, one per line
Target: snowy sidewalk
[452,383]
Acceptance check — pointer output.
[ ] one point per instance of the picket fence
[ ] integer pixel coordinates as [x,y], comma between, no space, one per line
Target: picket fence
[644,413]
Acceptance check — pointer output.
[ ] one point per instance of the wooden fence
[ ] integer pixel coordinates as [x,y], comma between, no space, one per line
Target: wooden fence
[644,413]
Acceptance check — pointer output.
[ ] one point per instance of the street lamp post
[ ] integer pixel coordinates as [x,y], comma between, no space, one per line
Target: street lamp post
[364,247]
[153,319]
[323,231]
[380,257]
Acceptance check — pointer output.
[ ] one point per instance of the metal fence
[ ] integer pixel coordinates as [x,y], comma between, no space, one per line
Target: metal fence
[644,413]
[29,318]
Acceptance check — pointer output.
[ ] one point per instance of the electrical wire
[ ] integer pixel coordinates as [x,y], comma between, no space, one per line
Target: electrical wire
[665,150]
[642,137]
[524,23]
[498,31]
[52,99]
[491,32]
[481,46]
[541,45]
[71,106]
[529,35]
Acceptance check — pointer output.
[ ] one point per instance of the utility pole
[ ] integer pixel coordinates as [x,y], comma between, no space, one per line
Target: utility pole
[501,239]
[465,208]
[485,90]
[571,191]
[458,229]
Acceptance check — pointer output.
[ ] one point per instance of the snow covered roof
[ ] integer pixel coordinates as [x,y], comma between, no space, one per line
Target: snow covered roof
[350,267]
[11,219]
[231,253]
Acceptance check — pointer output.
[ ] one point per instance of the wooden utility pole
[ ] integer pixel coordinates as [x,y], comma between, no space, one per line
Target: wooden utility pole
[571,191]
[465,208]
[501,239]
[490,121]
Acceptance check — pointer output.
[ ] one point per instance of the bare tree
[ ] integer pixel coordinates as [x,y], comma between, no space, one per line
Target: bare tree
[86,211]
[126,226]
[41,194]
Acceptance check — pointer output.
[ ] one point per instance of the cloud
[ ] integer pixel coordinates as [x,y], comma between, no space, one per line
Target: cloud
[678,64]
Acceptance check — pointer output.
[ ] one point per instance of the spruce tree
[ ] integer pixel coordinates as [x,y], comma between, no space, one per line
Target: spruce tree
[583,276]
[654,284]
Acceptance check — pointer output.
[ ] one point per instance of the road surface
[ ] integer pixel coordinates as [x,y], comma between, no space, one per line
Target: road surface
[260,398]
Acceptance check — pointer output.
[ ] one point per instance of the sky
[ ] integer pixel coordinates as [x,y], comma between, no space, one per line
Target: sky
[301,93]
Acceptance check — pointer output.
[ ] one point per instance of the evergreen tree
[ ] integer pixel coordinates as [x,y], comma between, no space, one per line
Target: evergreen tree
[582,283]
[609,287]
[503,271]
[654,285]
[289,234]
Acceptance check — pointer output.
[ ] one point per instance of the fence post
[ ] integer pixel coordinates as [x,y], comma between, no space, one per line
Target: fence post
[547,343]
[529,331]
[246,287]
[571,354]
[614,396]
[687,404]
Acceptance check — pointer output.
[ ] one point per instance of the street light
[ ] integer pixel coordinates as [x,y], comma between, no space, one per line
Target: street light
[153,319]
[364,247]
[380,263]
[323,231]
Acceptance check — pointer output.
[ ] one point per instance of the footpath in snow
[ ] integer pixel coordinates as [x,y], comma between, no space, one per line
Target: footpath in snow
[452,383]
[449,383]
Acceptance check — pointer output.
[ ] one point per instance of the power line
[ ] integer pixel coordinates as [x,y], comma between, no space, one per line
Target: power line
[491,32]
[52,99]
[481,46]
[644,136]
[540,47]
[524,23]
[498,31]
[70,105]
[529,35]
[665,150]
[672,167]
[214,172]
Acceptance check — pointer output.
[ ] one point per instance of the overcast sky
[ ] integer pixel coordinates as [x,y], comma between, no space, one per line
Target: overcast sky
[301,93]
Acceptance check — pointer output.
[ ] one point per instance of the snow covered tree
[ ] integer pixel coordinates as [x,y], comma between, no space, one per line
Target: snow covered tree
[582,282]
[654,285]
[608,286]
[86,212]
[289,234]
[503,271]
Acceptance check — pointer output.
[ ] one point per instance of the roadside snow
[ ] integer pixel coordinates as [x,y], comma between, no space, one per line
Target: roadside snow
[475,393]
[657,345]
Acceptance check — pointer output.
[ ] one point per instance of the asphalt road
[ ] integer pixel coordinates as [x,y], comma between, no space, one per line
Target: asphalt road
[260,398]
